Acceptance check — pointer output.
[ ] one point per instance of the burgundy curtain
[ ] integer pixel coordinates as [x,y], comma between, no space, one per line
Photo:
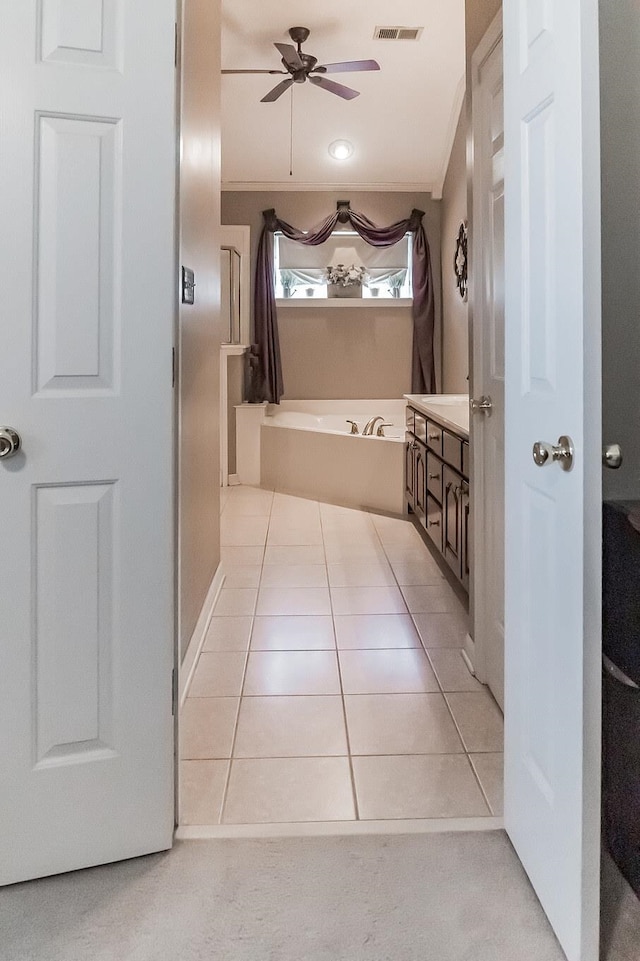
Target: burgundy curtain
[266,318]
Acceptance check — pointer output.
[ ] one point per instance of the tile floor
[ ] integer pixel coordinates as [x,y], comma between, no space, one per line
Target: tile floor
[331,686]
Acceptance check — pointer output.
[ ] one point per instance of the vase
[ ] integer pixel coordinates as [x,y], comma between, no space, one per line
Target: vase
[337,290]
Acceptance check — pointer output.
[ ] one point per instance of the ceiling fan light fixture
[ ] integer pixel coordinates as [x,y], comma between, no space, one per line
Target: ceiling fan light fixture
[341,149]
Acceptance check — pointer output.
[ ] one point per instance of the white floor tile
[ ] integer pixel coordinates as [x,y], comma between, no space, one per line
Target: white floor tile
[297,600]
[302,575]
[387,672]
[294,555]
[243,531]
[425,786]
[206,727]
[291,727]
[367,600]
[292,672]
[401,724]
[416,573]
[202,790]
[480,721]
[237,556]
[289,789]
[432,599]
[218,675]
[452,671]
[290,632]
[372,573]
[442,630]
[228,634]
[290,535]
[490,770]
[235,602]
[242,576]
[367,631]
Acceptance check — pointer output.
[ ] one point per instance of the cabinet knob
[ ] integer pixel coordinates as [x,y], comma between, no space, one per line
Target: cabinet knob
[434,476]
[433,523]
[433,436]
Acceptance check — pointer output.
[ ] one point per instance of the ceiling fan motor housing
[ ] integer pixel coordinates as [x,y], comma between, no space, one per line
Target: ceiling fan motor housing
[299,34]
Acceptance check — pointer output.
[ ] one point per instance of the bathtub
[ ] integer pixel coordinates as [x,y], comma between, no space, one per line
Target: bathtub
[306,448]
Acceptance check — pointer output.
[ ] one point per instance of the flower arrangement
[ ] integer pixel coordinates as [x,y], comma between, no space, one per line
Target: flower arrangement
[346,276]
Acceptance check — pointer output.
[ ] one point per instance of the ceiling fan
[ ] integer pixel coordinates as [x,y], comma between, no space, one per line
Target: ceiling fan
[302,67]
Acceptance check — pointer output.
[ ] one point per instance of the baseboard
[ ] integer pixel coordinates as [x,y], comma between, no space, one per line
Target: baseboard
[188,666]
[469,653]
[234,480]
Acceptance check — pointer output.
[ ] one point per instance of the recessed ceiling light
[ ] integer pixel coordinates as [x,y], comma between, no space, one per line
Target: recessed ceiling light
[340,149]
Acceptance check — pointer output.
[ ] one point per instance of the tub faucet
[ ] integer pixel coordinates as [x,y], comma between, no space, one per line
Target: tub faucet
[367,430]
[354,427]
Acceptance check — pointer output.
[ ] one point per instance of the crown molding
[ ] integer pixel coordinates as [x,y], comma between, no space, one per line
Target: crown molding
[454,119]
[287,185]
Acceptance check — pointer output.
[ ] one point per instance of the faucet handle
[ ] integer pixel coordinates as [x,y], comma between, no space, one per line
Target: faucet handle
[380,430]
[354,427]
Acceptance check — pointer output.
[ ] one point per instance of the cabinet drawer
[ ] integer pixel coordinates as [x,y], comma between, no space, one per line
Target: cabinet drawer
[434,476]
[433,521]
[452,450]
[409,419]
[434,437]
[466,465]
[420,426]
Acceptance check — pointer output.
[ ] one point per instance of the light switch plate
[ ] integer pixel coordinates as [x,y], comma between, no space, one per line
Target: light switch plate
[188,286]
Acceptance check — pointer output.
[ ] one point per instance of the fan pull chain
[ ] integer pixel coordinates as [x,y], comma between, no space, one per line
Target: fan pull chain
[291,137]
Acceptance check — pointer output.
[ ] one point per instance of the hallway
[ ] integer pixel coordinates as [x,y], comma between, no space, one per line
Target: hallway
[331,686]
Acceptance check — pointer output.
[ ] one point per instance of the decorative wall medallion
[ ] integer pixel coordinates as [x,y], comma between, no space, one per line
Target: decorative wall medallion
[460,261]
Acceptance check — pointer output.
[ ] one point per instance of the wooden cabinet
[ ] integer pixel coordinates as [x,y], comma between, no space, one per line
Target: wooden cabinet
[415,477]
[437,488]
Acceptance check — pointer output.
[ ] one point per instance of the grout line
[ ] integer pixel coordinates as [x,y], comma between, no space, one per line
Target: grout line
[244,675]
[478,779]
[344,706]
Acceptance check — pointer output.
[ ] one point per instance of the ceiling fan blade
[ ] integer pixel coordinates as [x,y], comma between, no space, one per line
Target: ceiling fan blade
[348,66]
[347,93]
[277,91]
[254,71]
[290,56]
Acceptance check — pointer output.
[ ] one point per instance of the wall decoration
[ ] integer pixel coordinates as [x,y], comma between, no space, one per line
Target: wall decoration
[460,262]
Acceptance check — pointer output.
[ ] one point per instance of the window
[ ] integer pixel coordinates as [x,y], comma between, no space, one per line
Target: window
[301,272]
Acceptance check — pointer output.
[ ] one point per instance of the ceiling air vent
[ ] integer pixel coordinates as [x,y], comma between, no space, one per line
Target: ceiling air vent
[397,33]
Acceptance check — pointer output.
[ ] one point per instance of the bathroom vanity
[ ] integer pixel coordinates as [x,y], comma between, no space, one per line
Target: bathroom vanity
[437,474]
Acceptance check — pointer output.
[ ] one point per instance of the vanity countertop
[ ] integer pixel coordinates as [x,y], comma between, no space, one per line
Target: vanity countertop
[450,410]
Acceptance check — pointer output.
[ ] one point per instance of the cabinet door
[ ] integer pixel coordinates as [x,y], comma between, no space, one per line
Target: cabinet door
[409,471]
[451,520]
[465,533]
[434,476]
[420,490]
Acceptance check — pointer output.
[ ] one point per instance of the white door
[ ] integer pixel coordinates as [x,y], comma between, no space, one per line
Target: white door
[553,386]
[86,567]
[487,257]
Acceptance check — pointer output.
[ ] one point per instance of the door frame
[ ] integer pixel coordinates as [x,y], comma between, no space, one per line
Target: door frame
[476,646]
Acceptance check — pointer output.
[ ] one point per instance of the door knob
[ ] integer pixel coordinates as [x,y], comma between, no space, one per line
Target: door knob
[483,406]
[548,453]
[9,442]
[612,456]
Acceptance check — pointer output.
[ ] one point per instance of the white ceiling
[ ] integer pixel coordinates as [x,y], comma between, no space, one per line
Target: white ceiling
[402,125]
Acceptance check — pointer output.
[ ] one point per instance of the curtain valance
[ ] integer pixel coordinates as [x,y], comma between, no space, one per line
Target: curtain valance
[266,318]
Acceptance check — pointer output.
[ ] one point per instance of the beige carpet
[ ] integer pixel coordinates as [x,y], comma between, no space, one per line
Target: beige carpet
[451,897]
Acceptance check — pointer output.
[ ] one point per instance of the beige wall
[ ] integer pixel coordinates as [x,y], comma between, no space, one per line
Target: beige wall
[348,352]
[199,335]
[455,314]
[478,17]
[620,91]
